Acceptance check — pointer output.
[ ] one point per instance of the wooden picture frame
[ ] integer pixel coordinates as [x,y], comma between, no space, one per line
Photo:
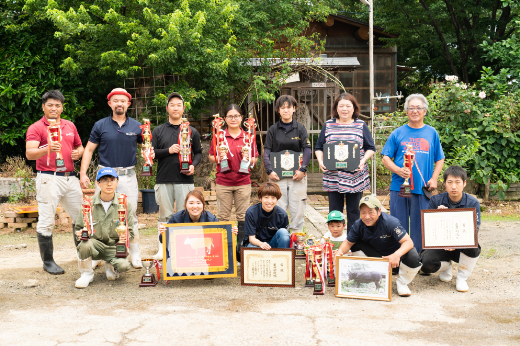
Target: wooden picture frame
[370,272]
[449,228]
[267,268]
[202,251]
[341,156]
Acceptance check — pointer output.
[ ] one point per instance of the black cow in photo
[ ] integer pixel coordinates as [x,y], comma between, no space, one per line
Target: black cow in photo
[362,277]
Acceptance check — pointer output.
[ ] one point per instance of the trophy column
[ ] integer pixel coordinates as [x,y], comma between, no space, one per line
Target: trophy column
[55,136]
[121,228]
[185,152]
[86,219]
[409,158]
[146,148]
[318,284]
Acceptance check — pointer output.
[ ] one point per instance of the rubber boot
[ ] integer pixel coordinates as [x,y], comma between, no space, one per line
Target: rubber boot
[46,251]
[159,255]
[87,274]
[466,265]
[135,254]
[445,270]
[240,238]
[406,275]
[95,263]
[112,274]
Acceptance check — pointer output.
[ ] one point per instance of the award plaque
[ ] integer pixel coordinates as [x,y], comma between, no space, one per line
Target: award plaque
[449,228]
[54,131]
[199,251]
[270,268]
[341,156]
[285,163]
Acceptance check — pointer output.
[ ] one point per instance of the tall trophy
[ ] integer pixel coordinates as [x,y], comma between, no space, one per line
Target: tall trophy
[409,158]
[54,133]
[223,148]
[185,143]
[309,282]
[148,279]
[146,151]
[87,219]
[329,256]
[248,150]
[318,273]
[122,227]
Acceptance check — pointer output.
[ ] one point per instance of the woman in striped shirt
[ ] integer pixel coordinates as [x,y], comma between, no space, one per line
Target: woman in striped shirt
[346,188]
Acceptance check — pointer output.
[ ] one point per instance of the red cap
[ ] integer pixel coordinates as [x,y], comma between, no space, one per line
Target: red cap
[119,92]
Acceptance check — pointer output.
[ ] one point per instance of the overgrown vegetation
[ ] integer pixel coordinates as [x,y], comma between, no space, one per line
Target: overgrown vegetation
[24,188]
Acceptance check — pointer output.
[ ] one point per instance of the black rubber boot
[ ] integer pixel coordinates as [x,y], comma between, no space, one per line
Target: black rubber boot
[240,238]
[46,250]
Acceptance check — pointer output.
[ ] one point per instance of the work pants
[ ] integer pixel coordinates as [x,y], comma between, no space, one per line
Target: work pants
[168,194]
[337,200]
[101,251]
[294,200]
[410,259]
[408,211]
[241,195]
[432,258]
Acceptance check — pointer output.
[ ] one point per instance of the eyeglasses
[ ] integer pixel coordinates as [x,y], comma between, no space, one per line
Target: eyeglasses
[233,117]
[411,109]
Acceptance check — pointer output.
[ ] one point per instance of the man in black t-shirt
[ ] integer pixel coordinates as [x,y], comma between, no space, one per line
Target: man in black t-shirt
[172,186]
[377,234]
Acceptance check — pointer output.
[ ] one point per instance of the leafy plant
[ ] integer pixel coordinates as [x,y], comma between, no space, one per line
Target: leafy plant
[24,188]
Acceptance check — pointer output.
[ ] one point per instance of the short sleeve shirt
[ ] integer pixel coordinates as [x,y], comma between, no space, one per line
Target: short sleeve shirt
[384,236]
[256,216]
[117,144]
[69,140]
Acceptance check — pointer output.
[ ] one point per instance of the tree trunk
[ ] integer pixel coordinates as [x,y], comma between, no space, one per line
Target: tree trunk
[486,191]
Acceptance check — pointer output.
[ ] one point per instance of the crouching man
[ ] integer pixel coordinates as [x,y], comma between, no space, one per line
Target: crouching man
[102,244]
[439,260]
[377,234]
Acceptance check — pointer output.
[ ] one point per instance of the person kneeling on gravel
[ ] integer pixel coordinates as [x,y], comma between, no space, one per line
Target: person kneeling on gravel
[377,234]
[102,244]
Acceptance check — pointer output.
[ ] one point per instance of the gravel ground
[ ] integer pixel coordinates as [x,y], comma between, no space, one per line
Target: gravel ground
[221,311]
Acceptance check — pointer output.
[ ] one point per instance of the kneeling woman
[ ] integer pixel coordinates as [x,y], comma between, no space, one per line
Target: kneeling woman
[266,223]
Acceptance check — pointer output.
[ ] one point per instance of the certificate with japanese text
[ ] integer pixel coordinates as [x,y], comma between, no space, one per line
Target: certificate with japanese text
[449,228]
[273,267]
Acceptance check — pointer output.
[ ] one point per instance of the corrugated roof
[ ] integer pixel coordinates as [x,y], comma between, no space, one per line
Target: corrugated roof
[328,62]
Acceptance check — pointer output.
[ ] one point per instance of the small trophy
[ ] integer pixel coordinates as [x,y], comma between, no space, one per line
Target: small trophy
[148,279]
[223,148]
[185,143]
[299,246]
[409,158]
[146,148]
[318,284]
[122,228]
[54,131]
[87,216]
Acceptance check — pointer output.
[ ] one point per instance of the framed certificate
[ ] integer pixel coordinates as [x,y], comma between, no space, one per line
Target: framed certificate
[341,156]
[271,268]
[449,228]
[199,251]
[285,163]
[363,278]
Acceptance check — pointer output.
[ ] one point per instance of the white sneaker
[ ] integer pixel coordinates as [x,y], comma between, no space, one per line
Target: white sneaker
[112,274]
[87,274]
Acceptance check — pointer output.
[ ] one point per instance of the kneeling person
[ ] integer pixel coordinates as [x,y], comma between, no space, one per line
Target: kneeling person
[266,223]
[439,260]
[102,244]
[377,234]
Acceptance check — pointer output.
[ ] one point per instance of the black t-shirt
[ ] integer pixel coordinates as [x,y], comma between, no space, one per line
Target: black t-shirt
[278,139]
[467,201]
[384,236]
[256,216]
[169,169]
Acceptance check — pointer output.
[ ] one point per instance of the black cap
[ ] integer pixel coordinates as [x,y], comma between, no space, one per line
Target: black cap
[172,95]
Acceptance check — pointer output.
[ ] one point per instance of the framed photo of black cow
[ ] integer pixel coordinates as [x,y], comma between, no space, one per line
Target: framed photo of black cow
[341,156]
[363,278]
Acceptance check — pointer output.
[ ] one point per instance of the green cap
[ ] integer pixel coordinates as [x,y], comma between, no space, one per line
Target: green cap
[371,202]
[335,216]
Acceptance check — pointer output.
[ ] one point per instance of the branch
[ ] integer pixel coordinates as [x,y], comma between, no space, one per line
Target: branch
[460,41]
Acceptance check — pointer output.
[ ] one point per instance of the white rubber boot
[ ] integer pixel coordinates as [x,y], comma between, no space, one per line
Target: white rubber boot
[135,254]
[406,275]
[359,254]
[95,263]
[112,274]
[466,265]
[445,270]
[87,274]
[159,255]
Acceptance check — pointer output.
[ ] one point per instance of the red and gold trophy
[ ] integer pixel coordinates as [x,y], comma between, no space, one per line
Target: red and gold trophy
[309,282]
[185,143]
[329,257]
[318,272]
[87,219]
[122,227]
[146,150]
[248,150]
[54,134]
[220,143]
[409,158]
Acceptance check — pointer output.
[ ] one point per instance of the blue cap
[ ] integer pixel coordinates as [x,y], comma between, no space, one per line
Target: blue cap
[106,171]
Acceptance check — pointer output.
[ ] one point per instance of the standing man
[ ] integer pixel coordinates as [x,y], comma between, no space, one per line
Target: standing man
[54,187]
[429,159]
[172,185]
[117,137]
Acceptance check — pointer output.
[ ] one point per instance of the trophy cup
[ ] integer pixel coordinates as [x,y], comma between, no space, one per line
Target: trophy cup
[122,228]
[318,284]
[224,165]
[185,143]
[146,148]
[54,131]
[148,279]
[87,207]
[299,246]
[409,157]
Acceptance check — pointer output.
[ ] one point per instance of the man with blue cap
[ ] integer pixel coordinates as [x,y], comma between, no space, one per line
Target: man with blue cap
[102,244]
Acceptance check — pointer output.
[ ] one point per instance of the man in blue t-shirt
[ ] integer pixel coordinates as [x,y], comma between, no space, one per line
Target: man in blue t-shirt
[377,234]
[439,260]
[429,159]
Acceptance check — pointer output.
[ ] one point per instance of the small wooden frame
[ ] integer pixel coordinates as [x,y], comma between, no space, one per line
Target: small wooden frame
[449,228]
[267,268]
[199,251]
[341,156]
[367,271]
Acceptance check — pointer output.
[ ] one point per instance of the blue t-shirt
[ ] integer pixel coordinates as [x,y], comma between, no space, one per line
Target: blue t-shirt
[428,150]
[117,145]
[384,236]
[256,216]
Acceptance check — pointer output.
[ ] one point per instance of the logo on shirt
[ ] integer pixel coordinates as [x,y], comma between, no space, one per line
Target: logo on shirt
[297,138]
[69,134]
[398,231]
[418,144]
[384,236]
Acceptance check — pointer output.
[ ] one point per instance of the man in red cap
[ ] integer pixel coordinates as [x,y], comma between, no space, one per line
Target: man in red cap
[116,138]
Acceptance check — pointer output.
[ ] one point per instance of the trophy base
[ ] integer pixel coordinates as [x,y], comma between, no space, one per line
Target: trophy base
[405,191]
[84,235]
[60,165]
[309,283]
[317,290]
[244,167]
[224,166]
[121,250]
[300,257]
[148,280]
[331,283]
[147,171]
[185,167]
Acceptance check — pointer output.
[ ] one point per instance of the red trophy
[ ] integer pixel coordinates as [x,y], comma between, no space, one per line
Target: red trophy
[146,148]
[185,143]
[87,219]
[122,227]
[248,150]
[329,257]
[318,272]
[54,133]
[409,158]
[309,282]
[220,143]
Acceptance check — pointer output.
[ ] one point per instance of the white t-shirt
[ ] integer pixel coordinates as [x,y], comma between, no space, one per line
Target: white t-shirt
[336,241]
[106,205]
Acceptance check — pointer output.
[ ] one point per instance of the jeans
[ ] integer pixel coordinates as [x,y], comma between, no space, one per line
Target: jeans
[408,211]
[280,240]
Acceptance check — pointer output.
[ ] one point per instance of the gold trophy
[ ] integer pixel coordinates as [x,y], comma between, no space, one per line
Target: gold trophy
[185,143]
[146,148]
[148,279]
[299,246]
[318,284]
[55,136]
[409,158]
[122,227]
[85,232]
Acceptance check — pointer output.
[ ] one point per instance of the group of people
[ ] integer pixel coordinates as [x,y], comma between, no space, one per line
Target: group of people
[370,232]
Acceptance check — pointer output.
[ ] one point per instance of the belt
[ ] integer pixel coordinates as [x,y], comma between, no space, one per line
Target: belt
[121,171]
[61,174]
